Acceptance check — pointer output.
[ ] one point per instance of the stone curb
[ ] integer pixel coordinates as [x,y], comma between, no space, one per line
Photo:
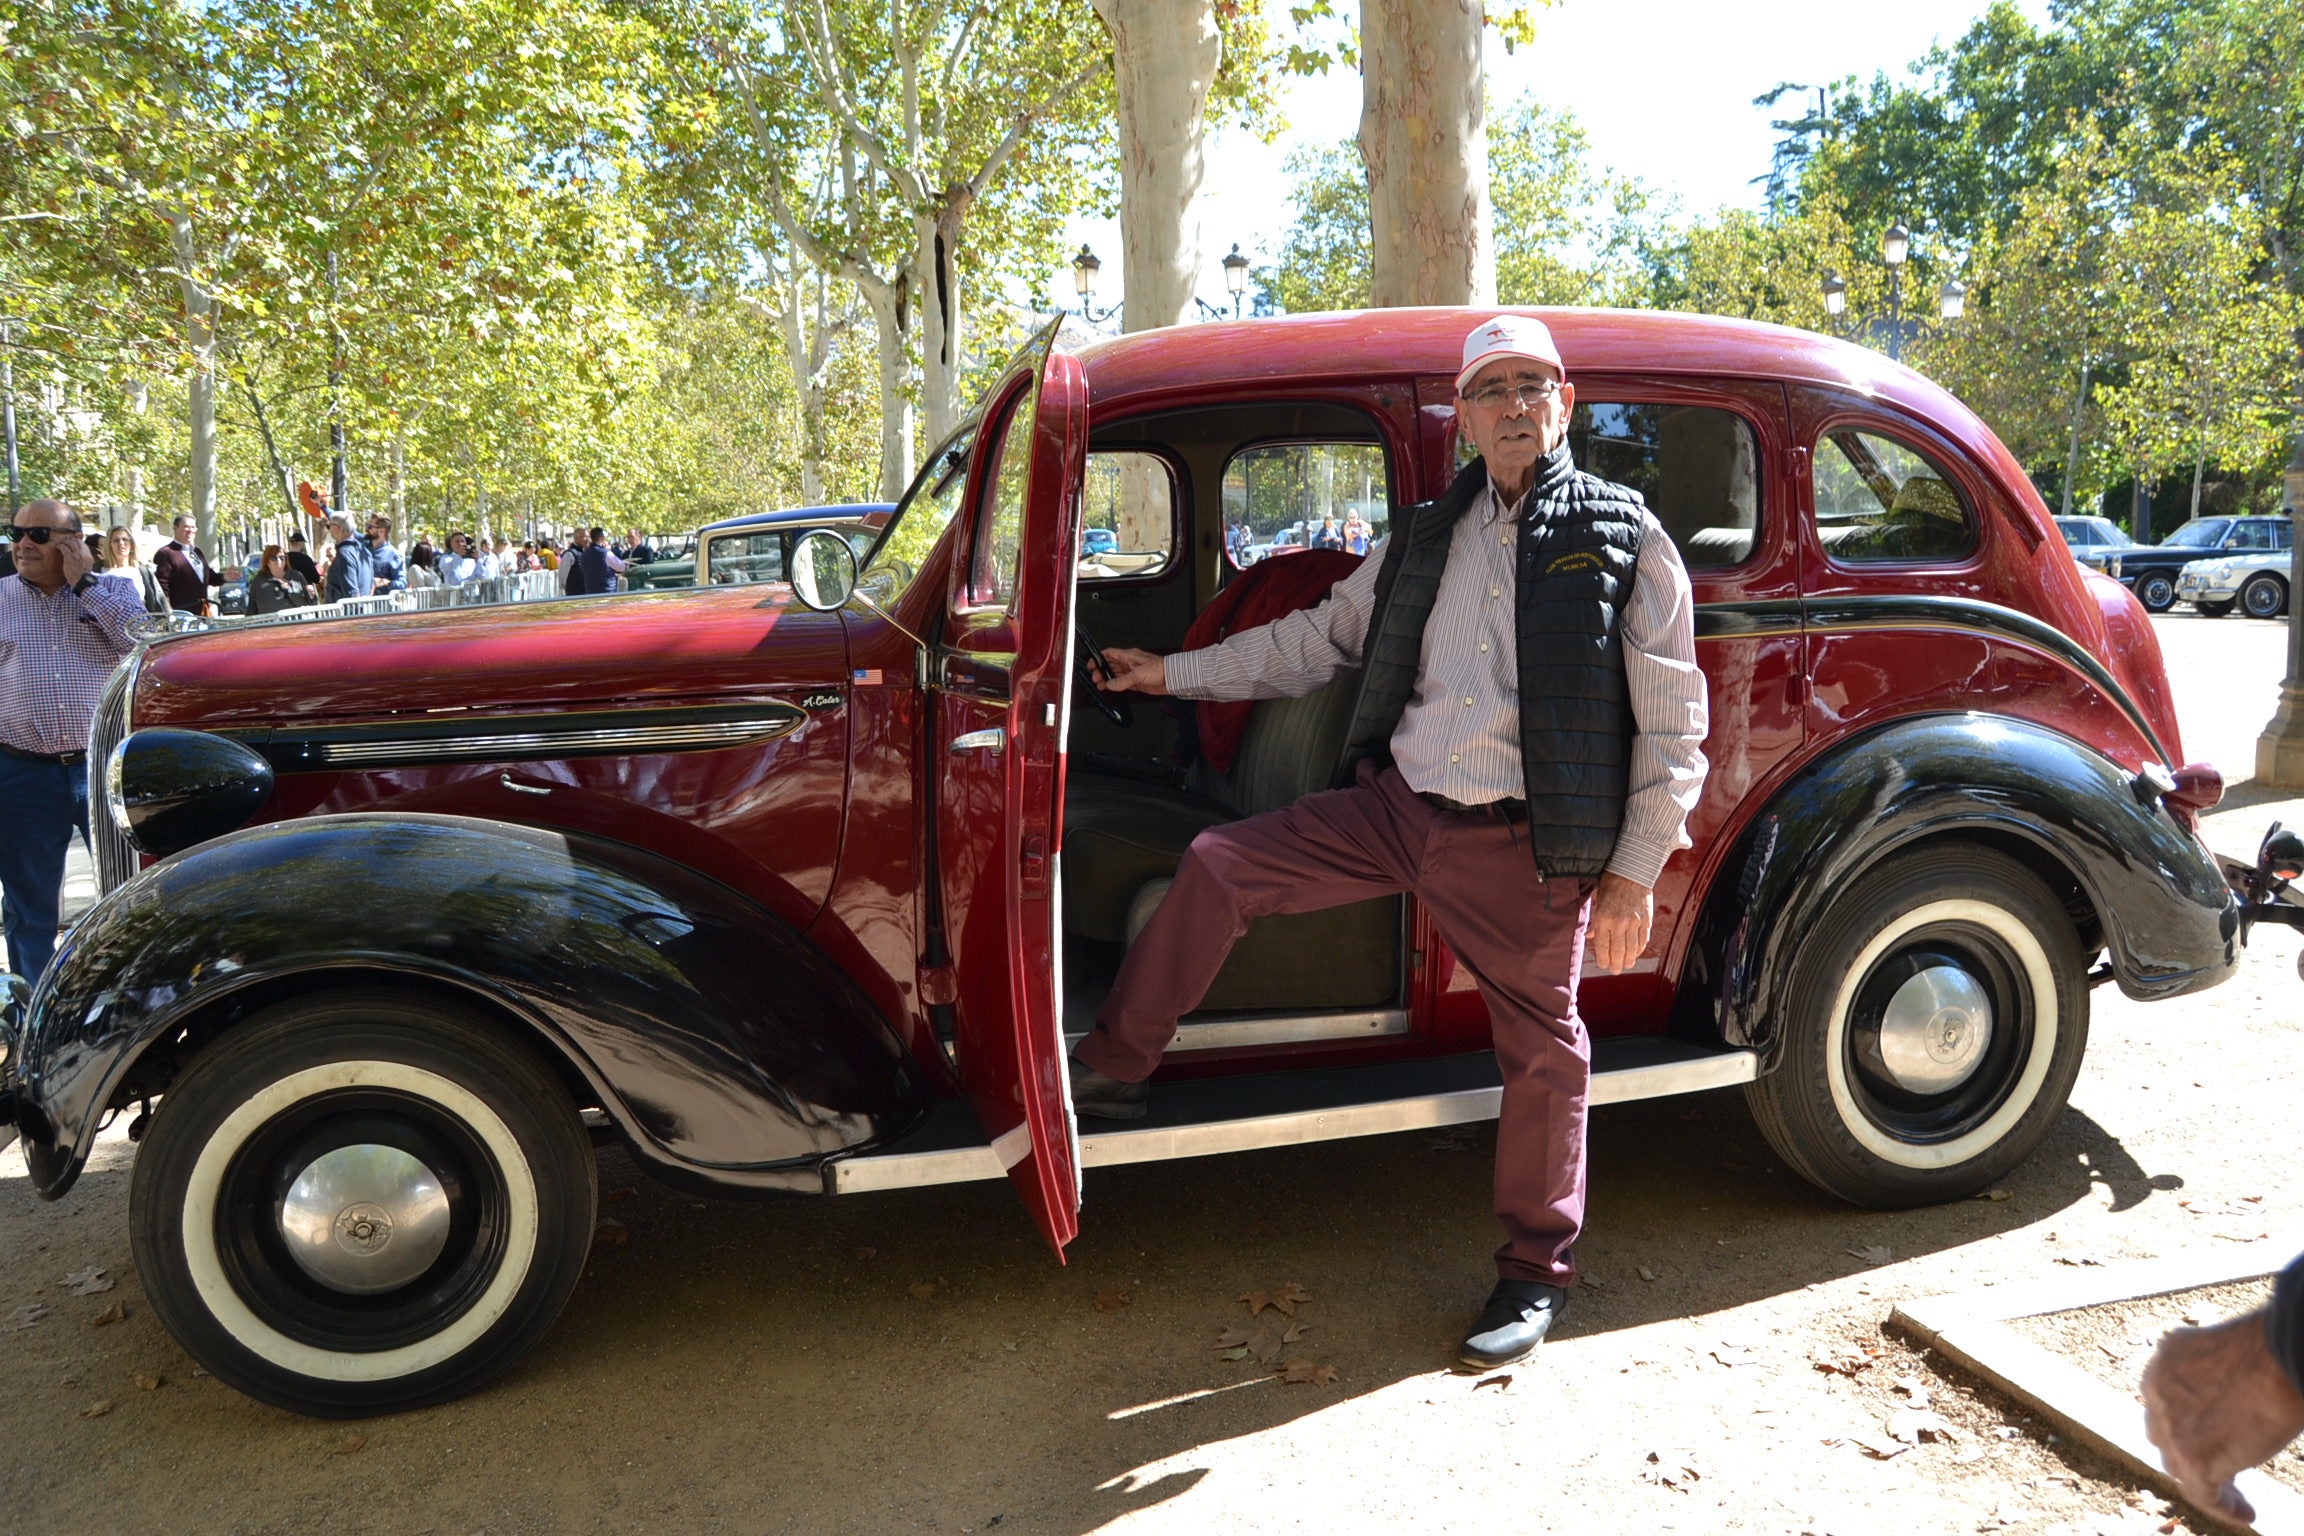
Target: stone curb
[1970,1328]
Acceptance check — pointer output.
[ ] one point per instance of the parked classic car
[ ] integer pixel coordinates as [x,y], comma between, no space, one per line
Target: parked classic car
[802,888]
[2152,569]
[2097,542]
[2256,584]
[765,538]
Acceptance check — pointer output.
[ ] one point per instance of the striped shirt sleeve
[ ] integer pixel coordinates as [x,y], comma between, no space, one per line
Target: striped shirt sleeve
[1669,708]
[1289,657]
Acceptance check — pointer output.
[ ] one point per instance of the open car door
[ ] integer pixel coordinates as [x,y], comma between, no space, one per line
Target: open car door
[1000,717]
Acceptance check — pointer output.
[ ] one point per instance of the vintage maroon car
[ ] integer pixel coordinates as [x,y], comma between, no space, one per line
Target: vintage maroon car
[802,889]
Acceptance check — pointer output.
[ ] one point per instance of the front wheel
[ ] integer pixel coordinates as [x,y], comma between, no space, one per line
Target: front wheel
[2156,590]
[1934,1024]
[2264,596]
[361,1203]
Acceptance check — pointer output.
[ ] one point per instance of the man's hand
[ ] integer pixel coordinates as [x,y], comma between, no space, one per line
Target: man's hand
[1132,671]
[1621,912]
[74,559]
[2216,1401]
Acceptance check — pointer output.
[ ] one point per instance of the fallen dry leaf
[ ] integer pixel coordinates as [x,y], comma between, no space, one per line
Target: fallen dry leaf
[23,1318]
[1871,1253]
[1283,1300]
[1646,1273]
[1593,1281]
[1913,1388]
[922,1290]
[611,1234]
[624,1192]
[151,1383]
[1878,1450]
[1264,1342]
[1918,1426]
[111,1314]
[1994,1193]
[1966,1454]
[1112,1298]
[1846,1364]
[1303,1373]
[1500,1383]
[87,1282]
[1675,1470]
[97,1409]
[348,1445]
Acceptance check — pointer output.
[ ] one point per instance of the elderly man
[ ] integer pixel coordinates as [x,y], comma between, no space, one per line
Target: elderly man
[1526,751]
[184,570]
[61,632]
[351,573]
[2220,1399]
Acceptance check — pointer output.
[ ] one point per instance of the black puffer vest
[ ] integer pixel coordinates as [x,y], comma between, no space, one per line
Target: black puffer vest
[1579,544]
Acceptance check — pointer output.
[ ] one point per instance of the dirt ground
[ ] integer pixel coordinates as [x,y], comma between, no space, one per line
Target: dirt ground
[917,1362]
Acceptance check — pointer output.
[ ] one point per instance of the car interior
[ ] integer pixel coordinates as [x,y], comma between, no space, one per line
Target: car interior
[1195,499]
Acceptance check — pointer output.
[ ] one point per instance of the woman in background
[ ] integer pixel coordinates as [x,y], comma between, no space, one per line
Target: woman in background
[273,588]
[116,559]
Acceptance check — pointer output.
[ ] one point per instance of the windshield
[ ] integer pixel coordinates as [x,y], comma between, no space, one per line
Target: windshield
[2207,533]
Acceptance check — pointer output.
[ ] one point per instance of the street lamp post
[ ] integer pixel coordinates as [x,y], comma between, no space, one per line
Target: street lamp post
[2280,750]
[1236,277]
[1085,267]
[8,407]
[1895,246]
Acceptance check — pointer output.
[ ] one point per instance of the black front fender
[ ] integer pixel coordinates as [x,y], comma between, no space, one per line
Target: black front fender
[2170,924]
[724,1044]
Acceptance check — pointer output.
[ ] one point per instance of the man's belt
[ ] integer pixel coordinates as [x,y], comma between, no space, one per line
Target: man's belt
[67,759]
[1498,810]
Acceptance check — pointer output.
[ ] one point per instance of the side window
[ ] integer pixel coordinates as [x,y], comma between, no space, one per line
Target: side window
[1000,528]
[919,524]
[2251,535]
[1284,497]
[1878,500]
[1127,515]
[737,559]
[1697,467]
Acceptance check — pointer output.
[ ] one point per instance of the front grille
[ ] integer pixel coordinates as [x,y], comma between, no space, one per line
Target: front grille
[116,858]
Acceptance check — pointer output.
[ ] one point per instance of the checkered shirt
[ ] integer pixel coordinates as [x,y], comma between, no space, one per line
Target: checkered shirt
[57,649]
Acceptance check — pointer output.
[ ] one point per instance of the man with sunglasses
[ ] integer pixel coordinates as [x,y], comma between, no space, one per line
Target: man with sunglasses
[1526,750]
[61,633]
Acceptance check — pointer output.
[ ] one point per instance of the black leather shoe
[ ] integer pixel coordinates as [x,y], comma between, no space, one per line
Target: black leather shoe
[1107,1098]
[1518,1315]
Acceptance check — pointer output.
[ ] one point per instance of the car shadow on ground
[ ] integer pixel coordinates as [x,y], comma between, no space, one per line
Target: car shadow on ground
[925,1352]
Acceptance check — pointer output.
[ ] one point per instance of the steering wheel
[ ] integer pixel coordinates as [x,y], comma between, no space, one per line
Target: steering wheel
[1088,664]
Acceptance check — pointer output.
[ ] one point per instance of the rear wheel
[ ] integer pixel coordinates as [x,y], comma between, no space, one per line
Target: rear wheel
[1934,1024]
[2264,597]
[2156,590]
[360,1203]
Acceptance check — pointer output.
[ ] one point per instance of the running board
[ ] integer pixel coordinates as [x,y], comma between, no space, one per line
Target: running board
[1206,1116]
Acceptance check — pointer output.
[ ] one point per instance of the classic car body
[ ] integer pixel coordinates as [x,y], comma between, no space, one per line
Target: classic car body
[2256,584]
[756,544]
[807,896]
[2096,542]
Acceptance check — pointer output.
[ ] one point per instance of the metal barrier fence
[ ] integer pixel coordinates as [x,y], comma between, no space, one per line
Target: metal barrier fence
[525,587]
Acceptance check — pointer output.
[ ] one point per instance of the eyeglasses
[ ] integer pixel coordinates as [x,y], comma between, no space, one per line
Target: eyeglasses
[19,533]
[1491,396]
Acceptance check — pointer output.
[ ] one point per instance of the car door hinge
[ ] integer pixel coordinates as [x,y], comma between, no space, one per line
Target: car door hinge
[1035,862]
[1796,464]
[938,986]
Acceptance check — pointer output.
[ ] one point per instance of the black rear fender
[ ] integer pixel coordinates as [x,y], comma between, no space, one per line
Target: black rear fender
[731,1052]
[2135,881]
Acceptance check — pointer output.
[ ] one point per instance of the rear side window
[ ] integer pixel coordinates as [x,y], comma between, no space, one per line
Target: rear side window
[1283,497]
[1127,515]
[1879,501]
[1697,467]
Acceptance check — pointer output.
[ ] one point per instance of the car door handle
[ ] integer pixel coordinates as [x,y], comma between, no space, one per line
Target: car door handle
[991,739]
[511,783]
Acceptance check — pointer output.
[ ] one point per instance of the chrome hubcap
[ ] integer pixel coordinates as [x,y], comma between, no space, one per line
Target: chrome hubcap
[1935,1030]
[365,1218]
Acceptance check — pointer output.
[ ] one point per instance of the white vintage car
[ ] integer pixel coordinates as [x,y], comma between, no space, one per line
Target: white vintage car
[2256,583]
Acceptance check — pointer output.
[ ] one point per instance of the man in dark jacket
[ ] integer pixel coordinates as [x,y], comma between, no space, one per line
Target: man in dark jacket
[2221,1399]
[184,571]
[300,563]
[1526,751]
[601,564]
[350,574]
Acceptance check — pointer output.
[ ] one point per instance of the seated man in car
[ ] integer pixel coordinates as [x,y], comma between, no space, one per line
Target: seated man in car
[1526,751]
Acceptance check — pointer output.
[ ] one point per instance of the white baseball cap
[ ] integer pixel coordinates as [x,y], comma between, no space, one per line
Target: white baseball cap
[1509,336]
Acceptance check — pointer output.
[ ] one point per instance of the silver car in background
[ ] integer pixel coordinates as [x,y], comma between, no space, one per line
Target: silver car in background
[2256,583]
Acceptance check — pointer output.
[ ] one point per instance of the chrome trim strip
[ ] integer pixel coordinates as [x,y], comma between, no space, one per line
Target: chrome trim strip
[960,1165]
[1283,1029]
[610,739]
[116,858]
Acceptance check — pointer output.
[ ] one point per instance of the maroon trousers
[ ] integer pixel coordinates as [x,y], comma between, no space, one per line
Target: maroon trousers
[1522,938]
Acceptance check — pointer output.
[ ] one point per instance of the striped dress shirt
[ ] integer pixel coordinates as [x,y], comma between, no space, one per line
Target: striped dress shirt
[1460,734]
[57,650]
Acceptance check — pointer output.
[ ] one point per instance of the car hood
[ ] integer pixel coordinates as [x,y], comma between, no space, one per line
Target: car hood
[646,647]
[2167,553]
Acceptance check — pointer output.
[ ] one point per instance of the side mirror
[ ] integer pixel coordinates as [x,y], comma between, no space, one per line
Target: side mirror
[823,569]
[2282,854]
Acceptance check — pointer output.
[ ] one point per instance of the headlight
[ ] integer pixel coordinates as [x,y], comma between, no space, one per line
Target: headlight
[169,789]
